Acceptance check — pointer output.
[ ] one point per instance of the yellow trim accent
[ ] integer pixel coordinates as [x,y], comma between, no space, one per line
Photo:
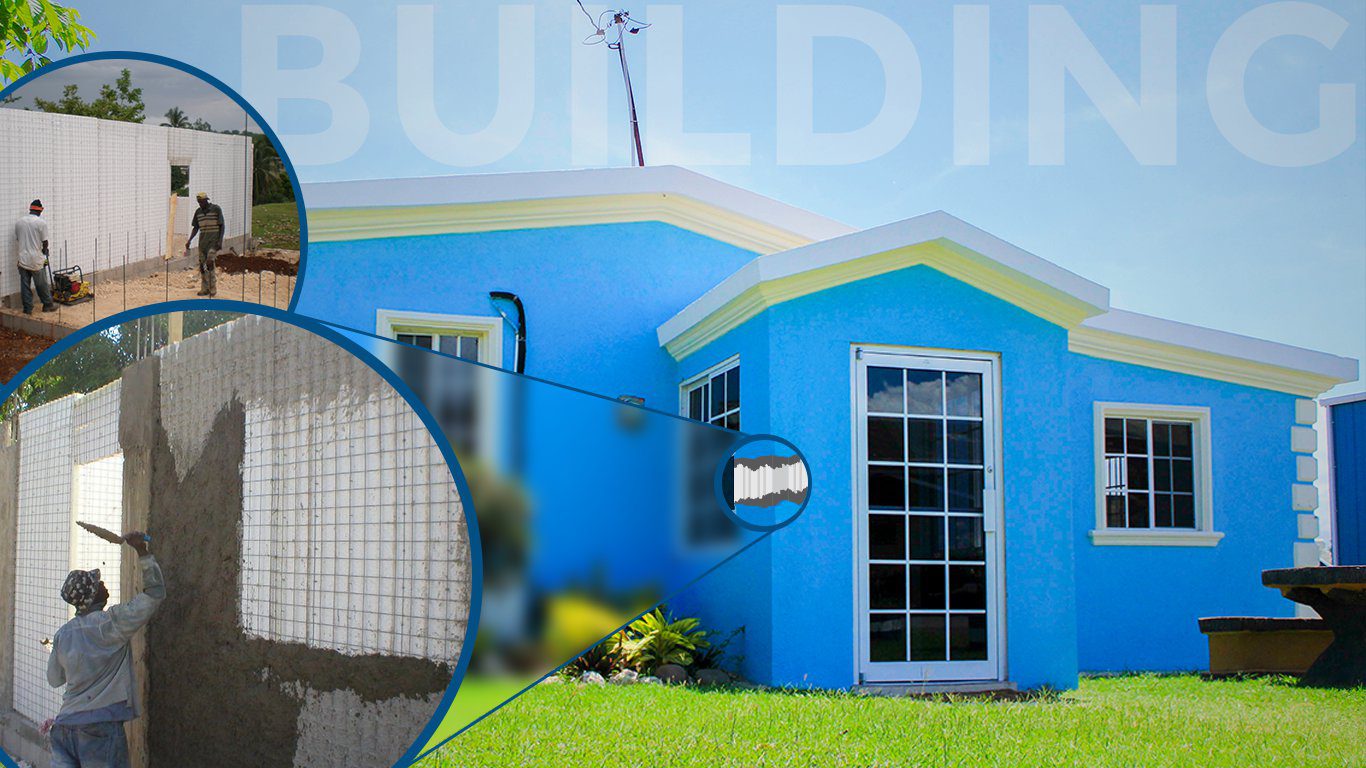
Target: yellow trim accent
[1170,357]
[942,255]
[337,224]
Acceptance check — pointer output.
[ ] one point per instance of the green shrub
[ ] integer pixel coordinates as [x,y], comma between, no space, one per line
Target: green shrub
[657,638]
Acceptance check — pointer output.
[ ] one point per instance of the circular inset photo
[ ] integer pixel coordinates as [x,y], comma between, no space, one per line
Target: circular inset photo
[130,181]
[765,483]
[227,540]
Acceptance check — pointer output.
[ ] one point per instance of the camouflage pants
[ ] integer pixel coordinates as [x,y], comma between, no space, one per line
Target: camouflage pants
[208,262]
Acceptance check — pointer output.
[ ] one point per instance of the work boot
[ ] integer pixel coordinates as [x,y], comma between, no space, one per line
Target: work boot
[203,292]
[50,308]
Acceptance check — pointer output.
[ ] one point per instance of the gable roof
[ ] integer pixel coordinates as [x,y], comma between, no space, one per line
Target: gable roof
[937,239]
[965,252]
[357,210]
[801,252]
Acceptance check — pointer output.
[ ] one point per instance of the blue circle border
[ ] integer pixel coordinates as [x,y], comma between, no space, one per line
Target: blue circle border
[721,497]
[227,91]
[318,329]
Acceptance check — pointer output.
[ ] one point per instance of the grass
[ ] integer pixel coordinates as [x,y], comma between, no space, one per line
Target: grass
[276,225]
[1141,720]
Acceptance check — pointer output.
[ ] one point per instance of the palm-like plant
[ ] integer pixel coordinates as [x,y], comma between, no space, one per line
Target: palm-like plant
[270,180]
[176,118]
[655,639]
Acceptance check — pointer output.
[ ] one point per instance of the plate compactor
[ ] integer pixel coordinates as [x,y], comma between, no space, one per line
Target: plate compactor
[69,286]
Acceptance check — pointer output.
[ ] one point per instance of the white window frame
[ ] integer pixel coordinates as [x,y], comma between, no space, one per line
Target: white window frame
[1203,535]
[390,323]
[681,529]
[692,382]
[993,499]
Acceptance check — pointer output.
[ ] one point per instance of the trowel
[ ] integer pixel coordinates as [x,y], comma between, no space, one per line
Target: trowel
[108,535]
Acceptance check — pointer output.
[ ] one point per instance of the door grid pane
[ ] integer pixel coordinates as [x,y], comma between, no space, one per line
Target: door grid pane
[929,590]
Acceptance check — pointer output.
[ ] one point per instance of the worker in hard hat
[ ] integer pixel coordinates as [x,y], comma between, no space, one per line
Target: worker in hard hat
[207,222]
[32,233]
[92,656]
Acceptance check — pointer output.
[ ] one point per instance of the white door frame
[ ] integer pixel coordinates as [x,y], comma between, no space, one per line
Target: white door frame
[989,364]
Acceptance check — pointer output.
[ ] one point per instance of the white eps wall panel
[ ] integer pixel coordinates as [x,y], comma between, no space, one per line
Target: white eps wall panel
[43,552]
[106,185]
[70,468]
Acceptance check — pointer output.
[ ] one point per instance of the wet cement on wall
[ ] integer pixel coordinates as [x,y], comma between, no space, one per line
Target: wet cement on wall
[9,518]
[217,696]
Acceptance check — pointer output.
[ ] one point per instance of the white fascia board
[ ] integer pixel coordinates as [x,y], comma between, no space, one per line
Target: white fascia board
[958,235]
[1170,332]
[663,180]
[1355,397]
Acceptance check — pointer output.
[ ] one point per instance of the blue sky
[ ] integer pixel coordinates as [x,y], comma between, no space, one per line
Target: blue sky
[1215,237]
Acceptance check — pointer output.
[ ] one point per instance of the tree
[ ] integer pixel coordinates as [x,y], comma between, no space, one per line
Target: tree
[176,118]
[101,359]
[200,124]
[31,28]
[120,101]
[29,394]
[269,178]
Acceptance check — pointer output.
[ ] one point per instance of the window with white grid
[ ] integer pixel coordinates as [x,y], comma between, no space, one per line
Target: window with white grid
[712,397]
[1153,477]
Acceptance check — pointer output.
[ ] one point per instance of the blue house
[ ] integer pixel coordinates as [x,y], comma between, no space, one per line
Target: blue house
[1013,482]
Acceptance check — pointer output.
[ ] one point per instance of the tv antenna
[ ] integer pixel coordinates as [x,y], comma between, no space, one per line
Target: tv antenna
[611,28]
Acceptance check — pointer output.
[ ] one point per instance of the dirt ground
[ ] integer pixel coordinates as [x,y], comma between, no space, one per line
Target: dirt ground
[114,296]
[239,278]
[16,349]
[278,261]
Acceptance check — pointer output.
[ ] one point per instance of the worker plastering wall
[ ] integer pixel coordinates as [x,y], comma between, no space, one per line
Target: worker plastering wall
[106,186]
[313,542]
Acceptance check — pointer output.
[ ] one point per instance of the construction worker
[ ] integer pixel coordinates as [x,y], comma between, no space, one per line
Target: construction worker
[208,223]
[92,656]
[32,234]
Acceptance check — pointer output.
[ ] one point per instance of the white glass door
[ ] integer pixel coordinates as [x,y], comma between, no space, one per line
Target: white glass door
[926,502]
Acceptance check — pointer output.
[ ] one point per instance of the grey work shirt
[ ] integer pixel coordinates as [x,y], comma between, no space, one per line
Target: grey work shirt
[91,654]
[31,231]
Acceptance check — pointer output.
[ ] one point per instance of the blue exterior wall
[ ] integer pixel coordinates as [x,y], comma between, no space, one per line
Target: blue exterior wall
[1071,606]
[1138,606]
[595,296]
[1349,482]
[809,394]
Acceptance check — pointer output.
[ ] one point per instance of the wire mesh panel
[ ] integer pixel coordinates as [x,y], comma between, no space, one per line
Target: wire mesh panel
[99,501]
[353,535]
[43,550]
[95,424]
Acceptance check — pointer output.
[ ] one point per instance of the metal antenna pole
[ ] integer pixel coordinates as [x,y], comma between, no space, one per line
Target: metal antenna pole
[620,20]
[623,24]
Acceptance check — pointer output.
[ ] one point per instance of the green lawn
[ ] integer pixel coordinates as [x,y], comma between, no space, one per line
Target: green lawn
[1126,721]
[276,225]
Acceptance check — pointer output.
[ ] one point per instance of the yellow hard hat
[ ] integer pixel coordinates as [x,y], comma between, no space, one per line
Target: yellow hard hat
[202,196]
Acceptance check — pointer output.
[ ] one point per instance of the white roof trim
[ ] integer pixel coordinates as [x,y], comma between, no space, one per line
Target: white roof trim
[968,242]
[1355,397]
[1224,343]
[1158,343]
[658,182]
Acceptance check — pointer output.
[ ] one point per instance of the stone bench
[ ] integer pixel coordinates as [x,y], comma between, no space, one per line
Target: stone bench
[1251,645]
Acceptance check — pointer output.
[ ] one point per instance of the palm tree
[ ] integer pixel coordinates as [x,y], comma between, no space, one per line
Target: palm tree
[176,118]
[270,180]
